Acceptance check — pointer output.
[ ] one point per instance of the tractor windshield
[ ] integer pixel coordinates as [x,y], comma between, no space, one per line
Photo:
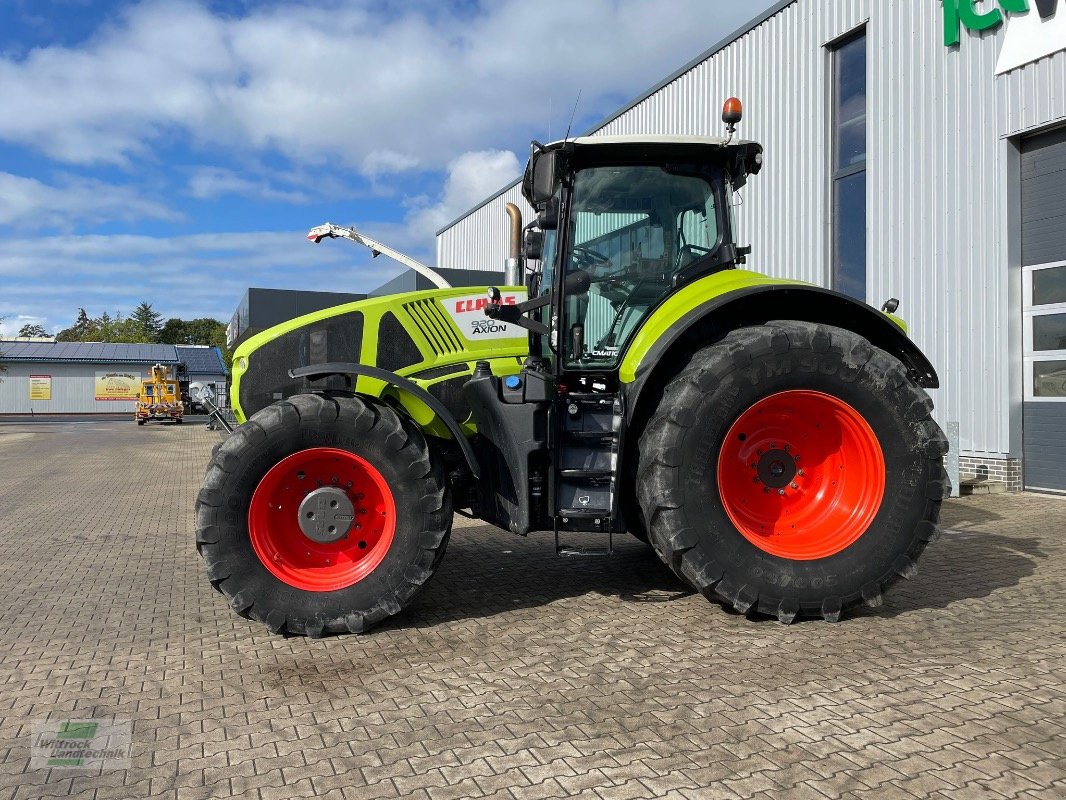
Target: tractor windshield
[632,228]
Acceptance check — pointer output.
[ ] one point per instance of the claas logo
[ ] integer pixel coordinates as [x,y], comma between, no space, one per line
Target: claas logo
[464,306]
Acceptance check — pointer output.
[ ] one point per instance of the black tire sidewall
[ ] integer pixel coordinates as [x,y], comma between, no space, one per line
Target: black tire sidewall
[891,532]
[378,446]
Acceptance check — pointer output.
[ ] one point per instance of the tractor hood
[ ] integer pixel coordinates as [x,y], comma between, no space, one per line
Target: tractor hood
[430,336]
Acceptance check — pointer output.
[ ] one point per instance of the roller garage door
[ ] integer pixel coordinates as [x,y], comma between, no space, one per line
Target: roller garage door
[1043,196]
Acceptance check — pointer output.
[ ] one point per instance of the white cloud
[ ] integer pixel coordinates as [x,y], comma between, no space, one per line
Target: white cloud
[30,203]
[209,183]
[340,82]
[10,326]
[385,162]
[471,178]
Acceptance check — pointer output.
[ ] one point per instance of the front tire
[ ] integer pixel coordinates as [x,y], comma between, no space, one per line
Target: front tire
[792,469]
[302,580]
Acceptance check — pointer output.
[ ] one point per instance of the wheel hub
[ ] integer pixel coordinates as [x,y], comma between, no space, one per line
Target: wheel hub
[801,509]
[776,468]
[322,519]
[326,515]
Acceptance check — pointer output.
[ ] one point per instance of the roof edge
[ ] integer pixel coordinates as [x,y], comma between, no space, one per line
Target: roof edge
[722,44]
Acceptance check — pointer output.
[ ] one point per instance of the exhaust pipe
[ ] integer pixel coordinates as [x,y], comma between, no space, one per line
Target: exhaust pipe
[512,267]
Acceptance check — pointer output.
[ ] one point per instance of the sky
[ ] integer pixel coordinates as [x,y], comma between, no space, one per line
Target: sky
[177,152]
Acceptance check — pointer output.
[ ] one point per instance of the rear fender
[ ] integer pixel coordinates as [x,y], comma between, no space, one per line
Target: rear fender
[660,352]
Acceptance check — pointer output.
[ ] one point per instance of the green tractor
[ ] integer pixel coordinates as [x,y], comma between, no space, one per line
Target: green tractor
[771,440]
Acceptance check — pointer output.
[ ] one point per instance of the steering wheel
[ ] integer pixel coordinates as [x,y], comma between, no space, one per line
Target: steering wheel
[587,258]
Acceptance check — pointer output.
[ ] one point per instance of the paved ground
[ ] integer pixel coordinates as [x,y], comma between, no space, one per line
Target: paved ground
[517,674]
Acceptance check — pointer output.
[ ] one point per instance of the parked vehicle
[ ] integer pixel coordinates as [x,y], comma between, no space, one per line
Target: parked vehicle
[160,398]
[771,440]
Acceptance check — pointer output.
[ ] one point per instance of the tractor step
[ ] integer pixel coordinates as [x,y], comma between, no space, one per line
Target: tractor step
[587,459]
[586,474]
[580,550]
[571,550]
[584,513]
[596,436]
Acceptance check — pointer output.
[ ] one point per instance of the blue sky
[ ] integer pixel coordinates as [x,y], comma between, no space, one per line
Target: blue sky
[177,151]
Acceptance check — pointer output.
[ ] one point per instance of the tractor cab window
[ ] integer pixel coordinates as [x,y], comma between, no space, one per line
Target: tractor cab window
[632,229]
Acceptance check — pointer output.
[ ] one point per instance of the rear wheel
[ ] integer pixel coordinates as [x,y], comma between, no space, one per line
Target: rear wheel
[793,469]
[323,514]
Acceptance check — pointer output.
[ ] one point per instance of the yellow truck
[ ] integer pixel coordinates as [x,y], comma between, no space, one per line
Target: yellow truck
[160,398]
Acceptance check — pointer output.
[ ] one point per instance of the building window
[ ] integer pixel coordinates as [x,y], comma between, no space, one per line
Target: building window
[849,165]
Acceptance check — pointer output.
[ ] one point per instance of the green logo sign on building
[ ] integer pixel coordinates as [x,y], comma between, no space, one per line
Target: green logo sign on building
[965,13]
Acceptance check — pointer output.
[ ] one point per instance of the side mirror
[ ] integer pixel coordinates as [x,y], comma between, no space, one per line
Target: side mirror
[548,216]
[534,244]
[545,166]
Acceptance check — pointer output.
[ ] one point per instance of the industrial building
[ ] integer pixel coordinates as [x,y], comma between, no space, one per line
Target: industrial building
[912,150]
[94,377]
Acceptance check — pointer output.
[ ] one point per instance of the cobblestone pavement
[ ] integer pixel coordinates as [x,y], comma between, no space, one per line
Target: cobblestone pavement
[517,674]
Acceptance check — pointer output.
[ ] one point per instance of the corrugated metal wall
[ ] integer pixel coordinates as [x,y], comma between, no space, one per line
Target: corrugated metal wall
[939,225]
[73,388]
[482,240]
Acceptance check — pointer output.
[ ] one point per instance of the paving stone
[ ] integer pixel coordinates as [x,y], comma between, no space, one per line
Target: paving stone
[515,674]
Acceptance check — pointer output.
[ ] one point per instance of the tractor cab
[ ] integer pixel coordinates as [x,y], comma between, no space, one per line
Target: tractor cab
[622,222]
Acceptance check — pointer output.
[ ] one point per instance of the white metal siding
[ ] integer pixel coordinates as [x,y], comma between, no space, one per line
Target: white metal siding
[73,388]
[482,240]
[939,221]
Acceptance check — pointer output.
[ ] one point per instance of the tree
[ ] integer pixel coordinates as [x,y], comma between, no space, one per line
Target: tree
[203,330]
[173,332]
[32,330]
[145,325]
[80,331]
[146,322]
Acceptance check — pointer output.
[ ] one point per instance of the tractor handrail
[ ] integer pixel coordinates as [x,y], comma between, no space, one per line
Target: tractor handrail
[331,231]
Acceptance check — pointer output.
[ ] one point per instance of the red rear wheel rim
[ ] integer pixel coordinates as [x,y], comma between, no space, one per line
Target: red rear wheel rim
[801,475]
[293,557]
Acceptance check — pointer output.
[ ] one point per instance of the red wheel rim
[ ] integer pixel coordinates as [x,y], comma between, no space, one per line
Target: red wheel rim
[283,547]
[801,475]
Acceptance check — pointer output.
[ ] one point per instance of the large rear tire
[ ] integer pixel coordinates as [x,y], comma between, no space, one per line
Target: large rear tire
[359,457]
[792,469]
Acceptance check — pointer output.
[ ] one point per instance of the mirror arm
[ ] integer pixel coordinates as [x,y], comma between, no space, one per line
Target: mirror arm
[515,315]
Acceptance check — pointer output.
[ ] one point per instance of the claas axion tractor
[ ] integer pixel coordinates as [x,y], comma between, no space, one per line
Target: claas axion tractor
[771,440]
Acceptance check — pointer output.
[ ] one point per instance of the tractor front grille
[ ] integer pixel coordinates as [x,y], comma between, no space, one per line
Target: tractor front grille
[267,378]
[435,326]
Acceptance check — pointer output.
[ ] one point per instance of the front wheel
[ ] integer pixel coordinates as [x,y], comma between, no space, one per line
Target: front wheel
[793,469]
[322,515]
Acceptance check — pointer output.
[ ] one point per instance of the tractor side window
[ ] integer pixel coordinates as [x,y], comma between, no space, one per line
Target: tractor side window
[632,229]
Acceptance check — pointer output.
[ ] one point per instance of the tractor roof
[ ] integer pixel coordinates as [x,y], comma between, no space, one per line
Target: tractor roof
[739,157]
[639,139]
[664,146]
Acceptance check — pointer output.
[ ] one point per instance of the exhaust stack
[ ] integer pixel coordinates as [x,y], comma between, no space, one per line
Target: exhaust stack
[512,267]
